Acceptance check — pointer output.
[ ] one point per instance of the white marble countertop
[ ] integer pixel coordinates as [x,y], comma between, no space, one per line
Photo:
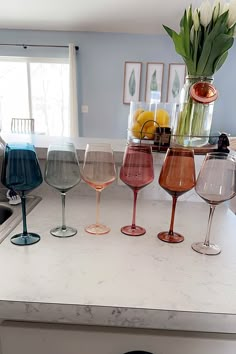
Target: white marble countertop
[116,280]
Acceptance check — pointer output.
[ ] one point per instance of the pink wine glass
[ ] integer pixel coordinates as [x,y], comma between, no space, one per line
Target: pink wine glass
[98,172]
[137,172]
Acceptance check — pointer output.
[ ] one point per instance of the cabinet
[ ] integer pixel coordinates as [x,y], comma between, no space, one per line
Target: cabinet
[37,338]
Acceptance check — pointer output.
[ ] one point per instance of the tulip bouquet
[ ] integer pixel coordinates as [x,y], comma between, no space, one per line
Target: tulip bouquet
[206,34]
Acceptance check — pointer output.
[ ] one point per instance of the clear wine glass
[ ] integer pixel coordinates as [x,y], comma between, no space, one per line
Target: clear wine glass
[98,172]
[215,184]
[21,173]
[177,177]
[62,172]
[137,172]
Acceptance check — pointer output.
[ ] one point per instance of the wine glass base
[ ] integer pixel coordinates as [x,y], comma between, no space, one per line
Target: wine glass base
[63,232]
[210,250]
[97,229]
[133,231]
[25,240]
[174,238]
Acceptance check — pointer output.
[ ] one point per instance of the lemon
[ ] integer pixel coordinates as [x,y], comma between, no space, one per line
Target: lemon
[146,117]
[150,132]
[136,131]
[162,118]
[137,113]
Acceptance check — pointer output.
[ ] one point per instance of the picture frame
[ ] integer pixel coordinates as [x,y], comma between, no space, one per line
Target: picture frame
[154,79]
[176,79]
[132,79]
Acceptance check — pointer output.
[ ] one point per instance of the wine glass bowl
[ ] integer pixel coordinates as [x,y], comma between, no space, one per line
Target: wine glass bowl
[177,176]
[21,173]
[215,185]
[98,172]
[62,172]
[136,172]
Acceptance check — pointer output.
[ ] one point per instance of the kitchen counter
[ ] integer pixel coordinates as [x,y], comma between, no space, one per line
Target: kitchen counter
[42,142]
[116,280]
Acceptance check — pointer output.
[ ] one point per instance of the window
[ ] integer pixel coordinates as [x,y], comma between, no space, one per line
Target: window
[35,88]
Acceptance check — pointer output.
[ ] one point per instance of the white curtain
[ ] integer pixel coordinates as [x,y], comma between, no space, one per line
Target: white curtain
[73,99]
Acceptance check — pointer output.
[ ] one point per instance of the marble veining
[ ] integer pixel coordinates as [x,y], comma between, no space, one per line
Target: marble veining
[117,317]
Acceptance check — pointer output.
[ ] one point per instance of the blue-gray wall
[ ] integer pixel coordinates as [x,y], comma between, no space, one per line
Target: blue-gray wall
[101,60]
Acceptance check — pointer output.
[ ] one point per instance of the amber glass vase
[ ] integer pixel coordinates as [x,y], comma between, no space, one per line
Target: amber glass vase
[177,177]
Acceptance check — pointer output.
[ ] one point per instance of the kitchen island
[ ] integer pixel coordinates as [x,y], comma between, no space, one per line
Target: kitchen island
[117,281]
[113,293]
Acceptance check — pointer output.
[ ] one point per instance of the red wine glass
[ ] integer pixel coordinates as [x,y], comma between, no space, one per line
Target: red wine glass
[137,172]
[177,177]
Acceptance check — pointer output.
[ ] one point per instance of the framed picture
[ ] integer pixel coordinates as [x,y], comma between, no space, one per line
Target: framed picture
[132,78]
[176,79]
[154,77]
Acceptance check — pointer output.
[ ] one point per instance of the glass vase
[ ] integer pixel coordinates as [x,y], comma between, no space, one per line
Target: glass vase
[147,117]
[193,121]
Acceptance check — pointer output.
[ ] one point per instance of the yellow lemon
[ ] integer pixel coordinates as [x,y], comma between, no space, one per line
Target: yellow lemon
[146,117]
[162,118]
[150,132]
[137,113]
[136,131]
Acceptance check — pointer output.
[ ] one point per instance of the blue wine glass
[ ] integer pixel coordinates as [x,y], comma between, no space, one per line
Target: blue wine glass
[21,173]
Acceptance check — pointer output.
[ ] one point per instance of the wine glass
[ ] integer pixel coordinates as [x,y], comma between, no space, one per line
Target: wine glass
[177,177]
[98,172]
[62,172]
[215,184]
[137,172]
[21,173]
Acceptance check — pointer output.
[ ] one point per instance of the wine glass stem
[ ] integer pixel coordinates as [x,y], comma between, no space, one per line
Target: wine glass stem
[63,202]
[211,213]
[174,201]
[98,197]
[24,214]
[134,209]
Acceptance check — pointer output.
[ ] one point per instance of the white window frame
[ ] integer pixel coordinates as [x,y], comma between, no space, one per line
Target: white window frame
[28,61]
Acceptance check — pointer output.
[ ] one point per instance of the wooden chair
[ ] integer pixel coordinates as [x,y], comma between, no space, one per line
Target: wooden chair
[22,125]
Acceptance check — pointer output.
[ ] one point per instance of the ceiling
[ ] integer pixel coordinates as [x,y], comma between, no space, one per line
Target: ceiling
[128,16]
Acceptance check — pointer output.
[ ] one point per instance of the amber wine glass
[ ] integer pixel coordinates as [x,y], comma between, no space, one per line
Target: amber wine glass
[137,172]
[177,177]
[215,184]
[98,172]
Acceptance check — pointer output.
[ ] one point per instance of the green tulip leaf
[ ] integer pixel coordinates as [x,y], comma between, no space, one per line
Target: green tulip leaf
[207,53]
[220,61]
[178,41]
